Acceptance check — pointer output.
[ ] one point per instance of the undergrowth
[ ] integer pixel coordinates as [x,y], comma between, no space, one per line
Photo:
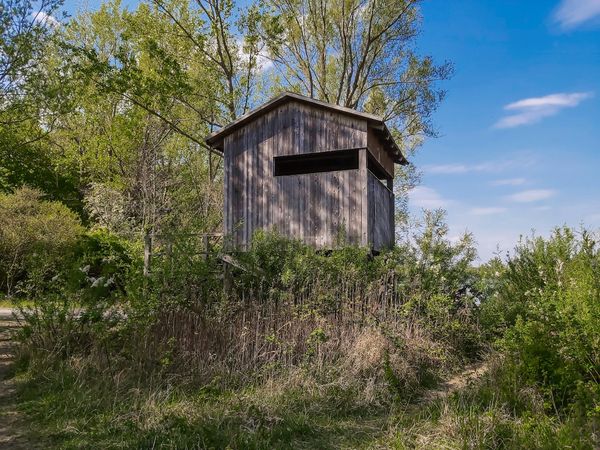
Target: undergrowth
[313,350]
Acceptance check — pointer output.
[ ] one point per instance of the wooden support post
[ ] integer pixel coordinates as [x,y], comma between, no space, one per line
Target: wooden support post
[227,279]
[205,245]
[147,252]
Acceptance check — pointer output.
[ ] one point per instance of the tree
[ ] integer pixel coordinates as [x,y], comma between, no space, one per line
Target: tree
[25,27]
[171,58]
[359,54]
[140,103]
[31,101]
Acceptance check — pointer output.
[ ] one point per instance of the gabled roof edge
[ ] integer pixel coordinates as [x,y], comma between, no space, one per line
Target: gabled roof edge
[213,139]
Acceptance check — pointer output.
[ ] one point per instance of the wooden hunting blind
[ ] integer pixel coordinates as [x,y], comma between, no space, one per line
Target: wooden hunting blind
[311,171]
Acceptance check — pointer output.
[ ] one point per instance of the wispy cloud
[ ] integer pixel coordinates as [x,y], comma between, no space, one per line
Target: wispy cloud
[533,110]
[509,182]
[572,13]
[532,195]
[452,169]
[45,19]
[487,211]
[447,169]
[486,166]
[428,198]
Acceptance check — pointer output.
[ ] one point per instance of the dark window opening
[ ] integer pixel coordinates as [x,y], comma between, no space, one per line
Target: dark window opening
[376,169]
[316,162]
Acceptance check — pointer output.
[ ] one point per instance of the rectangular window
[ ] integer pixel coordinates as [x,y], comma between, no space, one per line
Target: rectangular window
[378,171]
[316,162]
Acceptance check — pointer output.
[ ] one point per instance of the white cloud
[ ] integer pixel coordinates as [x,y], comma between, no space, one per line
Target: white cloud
[453,169]
[487,211]
[509,182]
[524,160]
[263,62]
[532,195]
[45,19]
[533,110]
[428,198]
[447,168]
[571,13]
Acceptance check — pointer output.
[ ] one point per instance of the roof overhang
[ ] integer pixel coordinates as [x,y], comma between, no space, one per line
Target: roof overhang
[216,139]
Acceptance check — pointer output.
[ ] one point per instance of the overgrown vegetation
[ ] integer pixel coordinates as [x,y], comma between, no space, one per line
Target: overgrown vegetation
[314,350]
[102,162]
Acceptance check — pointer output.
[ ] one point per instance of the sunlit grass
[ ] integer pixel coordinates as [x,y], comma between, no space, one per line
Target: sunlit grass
[71,409]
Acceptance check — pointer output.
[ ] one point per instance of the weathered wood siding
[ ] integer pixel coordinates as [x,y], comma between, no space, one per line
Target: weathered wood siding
[378,152]
[316,208]
[381,214]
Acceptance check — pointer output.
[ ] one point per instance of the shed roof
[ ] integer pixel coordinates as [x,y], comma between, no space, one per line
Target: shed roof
[215,140]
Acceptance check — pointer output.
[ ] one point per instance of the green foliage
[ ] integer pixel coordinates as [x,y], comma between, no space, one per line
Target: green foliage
[289,322]
[549,303]
[35,164]
[37,237]
[324,47]
[183,276]
[101,267]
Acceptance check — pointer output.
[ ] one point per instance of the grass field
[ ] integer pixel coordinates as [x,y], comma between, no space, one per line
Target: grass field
[73,409]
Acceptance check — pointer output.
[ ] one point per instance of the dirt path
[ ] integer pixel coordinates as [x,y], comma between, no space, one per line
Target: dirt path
[11,422]
[459,381]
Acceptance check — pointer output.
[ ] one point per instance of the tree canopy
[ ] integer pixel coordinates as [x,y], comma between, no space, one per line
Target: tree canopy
[116,102]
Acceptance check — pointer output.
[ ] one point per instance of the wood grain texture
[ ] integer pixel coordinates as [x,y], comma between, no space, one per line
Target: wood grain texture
[377,150]
[381,214]
[316,208]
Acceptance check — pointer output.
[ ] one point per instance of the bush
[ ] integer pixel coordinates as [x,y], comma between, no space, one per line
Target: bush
[100,267]
[36,238]
[549,303]
[362,333]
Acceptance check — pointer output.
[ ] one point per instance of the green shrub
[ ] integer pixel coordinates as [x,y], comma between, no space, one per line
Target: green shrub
[37,237]
[100,267]
[182,276]
[549,304]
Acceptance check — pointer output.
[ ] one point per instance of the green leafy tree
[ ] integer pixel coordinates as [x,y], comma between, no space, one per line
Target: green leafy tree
[133,90]
[359,54]
[25,27]
[30,101]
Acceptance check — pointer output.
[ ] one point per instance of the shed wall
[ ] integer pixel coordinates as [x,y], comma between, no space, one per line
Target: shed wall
[381,214]
[379,153]
[316,208]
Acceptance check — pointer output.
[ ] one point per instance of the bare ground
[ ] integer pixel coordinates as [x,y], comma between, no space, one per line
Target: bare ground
[12,423]
[470,374]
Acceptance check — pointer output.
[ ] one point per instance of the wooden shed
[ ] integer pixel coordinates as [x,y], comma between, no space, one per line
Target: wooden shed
[309,170]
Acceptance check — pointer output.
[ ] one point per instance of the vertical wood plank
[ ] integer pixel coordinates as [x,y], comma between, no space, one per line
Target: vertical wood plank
[311,207]
[364,217]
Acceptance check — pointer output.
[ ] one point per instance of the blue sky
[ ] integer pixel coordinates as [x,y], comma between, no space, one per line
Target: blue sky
[519,144]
